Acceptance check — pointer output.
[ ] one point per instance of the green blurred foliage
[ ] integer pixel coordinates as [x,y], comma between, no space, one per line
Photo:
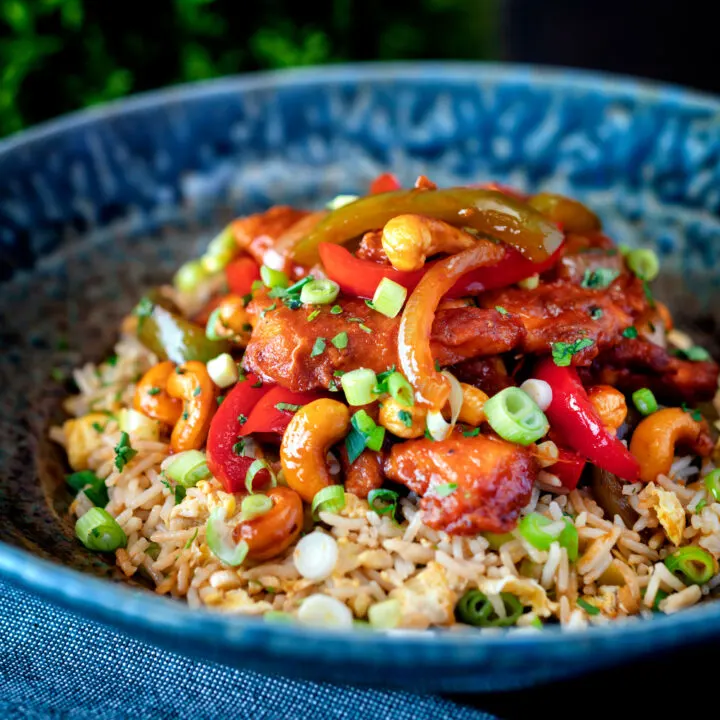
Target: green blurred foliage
[59,55]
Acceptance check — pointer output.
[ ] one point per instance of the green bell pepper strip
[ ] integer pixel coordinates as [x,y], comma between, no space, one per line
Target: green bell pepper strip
[487,212]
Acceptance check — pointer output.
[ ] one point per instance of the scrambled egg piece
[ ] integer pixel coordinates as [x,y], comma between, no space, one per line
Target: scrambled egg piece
[426,599]
[669,510]
[528,591]
[82,438]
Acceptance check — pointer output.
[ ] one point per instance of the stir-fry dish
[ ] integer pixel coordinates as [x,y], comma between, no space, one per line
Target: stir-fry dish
[423,407]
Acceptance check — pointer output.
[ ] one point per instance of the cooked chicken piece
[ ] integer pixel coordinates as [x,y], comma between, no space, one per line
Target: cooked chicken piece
[468,484]
[281,348]
[562,312]
[636,363]
[363,475]
[488,374]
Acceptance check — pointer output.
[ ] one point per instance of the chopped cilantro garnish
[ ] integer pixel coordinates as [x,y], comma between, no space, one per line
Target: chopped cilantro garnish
[355,319]
[124,452]
[220,398]
[369,303]
[365,328]
[332,386]
[599,279]
[340,341]
[428,436]
[246,299]
[268,309]
[242,419]
[587,607]
[98,428]
[287,407]
[257,384]
[335,310]
[313,315]
[154,391]
[596,313]
[191,540]
[112,360]
[246,327]
[338,373]
[381,385]
[698,508]
[695,353]
[445,489]
[197,391]
[694,414]
[501,310]
[239,447]
[562,352]
[57,374]
[318,347]
[185,415]
[438,367]
[472,432]
[630,332]
[179,494]
[406,418]
[648,293]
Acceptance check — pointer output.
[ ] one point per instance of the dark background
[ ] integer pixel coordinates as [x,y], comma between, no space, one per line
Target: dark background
[60,55]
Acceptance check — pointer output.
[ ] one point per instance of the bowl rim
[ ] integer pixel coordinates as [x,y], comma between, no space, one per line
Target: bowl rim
[146,614]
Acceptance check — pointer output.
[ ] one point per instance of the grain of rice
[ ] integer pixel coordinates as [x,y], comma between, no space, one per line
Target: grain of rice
[677,601]
[551,565]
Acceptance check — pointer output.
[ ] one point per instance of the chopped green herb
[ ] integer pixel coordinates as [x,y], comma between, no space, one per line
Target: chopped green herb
[242,419]
[648,293]
[365,328]
[239,448]
[596,313]
[335,310]
[246,327]
[698,508]
[354,444]
[197,391]
[695,353]
[143,310]
[179,370]
[428,436]
[694,414]
[287,407]
[438,367]
[587,607]
[473,432]
[246,299]
[88,482]
[599,278]
[191,540]
[98,428]
[124,452]
[313,315]
[318,347]
[153,551]
[340,341]
[369,303]
[112,360]
[445,489]
[154,391]
[338,373]
[219,399]
[501,310]
[630,332]
[332,386]
[406,418]
[268,309]
[292,301]
[185,415]
[57,374]
[257,384]
[355,319]
[179,494]
[562,352]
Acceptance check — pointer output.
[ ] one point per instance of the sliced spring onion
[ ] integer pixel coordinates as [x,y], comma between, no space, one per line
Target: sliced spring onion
[437,426]
[218,536]
[98,530]
[255,505]
[374,434]
[712,484]
[319,292]
[695,564]
[358,386]
[539,391]
[456,396]
[187,468]
[254,469]
[211,327]
[88,482]
[530,283]
[223,370]
[325,611]
[536,529]
[273,278]
[220,251]
[329,499]
[385,615]
[389,298]
[644,263]
[340,341]
[474,608]
[190,275]
[138,425]
[496,540]
[587,607]
[340,201]
[400,389]
[315,556]
[383,502]
[645,401]
[515,416]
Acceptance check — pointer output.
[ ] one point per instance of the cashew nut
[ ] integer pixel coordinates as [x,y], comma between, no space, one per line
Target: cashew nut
[270,534]
[306,442]
[472,410]
[404,422]
[409,239]
[151,396]
[610,405]
[191,383]
[656,437]
[232,320]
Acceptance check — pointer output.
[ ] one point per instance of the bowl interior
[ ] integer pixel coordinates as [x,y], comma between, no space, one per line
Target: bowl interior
[96,208]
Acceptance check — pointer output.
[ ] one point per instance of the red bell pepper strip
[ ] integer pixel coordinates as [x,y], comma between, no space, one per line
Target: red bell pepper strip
[267,417]
[225,464]
[386,182]
[361,277]
[574,419]
[568,468]
[241,274]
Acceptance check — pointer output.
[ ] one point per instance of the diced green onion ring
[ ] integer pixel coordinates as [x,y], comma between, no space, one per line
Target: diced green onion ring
[496,541]
[219,539]
[98,530]
[220,251]
[389,298]
[695,564]
[712,484]
[358,386]
[645,401]
[273,278]
[644,263]
[211,332]
[400,389]
[475,609]
[383,502]
[319,292]
[329,499]
[255,505]
[515,416]
[531,527]
[254,469]
[188,468]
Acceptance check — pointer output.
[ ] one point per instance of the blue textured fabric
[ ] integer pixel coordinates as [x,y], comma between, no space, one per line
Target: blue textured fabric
[56,665]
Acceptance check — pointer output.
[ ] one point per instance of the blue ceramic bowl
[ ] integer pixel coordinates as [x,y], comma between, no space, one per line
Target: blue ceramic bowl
[98,206]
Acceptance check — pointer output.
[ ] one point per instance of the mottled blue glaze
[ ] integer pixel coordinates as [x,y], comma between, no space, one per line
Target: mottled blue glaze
[97,206]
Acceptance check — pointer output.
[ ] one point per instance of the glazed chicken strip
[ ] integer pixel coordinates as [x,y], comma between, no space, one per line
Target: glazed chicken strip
[493,480]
